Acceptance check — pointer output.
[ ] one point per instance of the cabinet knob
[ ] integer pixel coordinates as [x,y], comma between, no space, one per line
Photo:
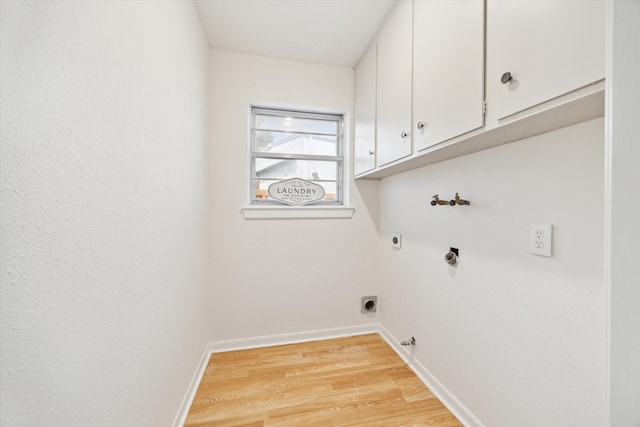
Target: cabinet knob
[420,125]
[370,153]
[506,78]
[403,135]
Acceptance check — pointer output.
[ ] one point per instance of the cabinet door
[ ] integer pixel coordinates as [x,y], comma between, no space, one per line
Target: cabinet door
[394,86]
[365,113]
[448,69]
[550,48]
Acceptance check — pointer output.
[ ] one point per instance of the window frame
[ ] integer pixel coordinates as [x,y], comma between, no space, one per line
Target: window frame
[339,158]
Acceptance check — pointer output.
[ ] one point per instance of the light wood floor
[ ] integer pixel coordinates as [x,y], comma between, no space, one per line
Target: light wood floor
[354,381]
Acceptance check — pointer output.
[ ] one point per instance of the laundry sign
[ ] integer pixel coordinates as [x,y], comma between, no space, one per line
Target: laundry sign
[296,191]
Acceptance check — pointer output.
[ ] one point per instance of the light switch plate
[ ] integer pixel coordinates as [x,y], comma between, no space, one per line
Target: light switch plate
[540,239]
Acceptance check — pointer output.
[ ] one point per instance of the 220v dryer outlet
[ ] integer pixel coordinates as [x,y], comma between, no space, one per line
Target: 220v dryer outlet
[396,240]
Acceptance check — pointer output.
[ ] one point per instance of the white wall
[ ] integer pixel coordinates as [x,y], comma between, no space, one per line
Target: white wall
[103,173]
[623,178]
[517,338]
[282,276]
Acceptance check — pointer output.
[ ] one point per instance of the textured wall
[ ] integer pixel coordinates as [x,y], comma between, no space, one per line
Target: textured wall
[517,338]
[281,276]
[103,210]
[623,180]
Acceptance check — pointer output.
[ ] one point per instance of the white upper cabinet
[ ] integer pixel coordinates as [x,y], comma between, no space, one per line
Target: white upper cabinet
[549,48]
[538,64]
[394,85]
[448,69]
[365,113]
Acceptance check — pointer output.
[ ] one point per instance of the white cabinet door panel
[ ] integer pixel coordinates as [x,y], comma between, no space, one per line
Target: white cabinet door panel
[550,48]
[394,86]
[365,113]
[448,69]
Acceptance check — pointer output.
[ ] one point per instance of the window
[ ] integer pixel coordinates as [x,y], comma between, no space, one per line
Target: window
[295,144]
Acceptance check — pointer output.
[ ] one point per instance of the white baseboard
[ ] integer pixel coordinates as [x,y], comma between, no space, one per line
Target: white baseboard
[461,412]
[181,416]
[292,338]
[464,415]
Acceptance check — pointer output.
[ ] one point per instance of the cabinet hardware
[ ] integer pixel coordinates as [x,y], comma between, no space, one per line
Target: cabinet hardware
[420,125]
[370,153]
[506,78]
[403,135]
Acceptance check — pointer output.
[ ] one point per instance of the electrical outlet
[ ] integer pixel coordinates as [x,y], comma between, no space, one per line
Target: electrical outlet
[540,239]
[396,240]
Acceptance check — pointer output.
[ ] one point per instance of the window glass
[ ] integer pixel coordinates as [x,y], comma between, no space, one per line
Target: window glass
[291,123]
[295,144]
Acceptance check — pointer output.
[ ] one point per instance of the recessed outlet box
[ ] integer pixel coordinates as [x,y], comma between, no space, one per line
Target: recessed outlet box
[540,239]
[396,240]
[368,304]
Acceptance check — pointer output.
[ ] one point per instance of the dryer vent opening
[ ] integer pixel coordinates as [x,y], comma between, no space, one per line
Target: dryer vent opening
[368,304]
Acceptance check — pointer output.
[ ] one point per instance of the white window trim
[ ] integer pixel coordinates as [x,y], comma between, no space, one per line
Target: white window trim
[292,212]
[268,211]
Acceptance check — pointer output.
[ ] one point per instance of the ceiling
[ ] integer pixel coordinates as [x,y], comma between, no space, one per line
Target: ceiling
[334,32]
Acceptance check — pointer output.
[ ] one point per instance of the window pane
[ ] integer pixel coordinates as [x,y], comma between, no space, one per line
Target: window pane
[277,142]
[285,144]
[306,169]
[262,186]
[296,124]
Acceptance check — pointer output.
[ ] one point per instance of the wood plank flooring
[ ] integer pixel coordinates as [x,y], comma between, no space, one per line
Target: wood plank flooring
[354,381]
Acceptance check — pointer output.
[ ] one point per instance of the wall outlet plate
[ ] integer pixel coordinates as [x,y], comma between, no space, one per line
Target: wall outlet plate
[396,240]
[540,239]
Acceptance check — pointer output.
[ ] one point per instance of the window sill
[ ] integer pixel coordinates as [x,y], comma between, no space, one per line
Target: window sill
[302,212]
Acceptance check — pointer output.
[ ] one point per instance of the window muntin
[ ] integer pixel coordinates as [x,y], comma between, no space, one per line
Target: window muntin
[293,144]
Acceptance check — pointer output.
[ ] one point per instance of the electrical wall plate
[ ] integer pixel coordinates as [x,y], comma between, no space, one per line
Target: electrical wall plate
[540,239]
[396,240]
